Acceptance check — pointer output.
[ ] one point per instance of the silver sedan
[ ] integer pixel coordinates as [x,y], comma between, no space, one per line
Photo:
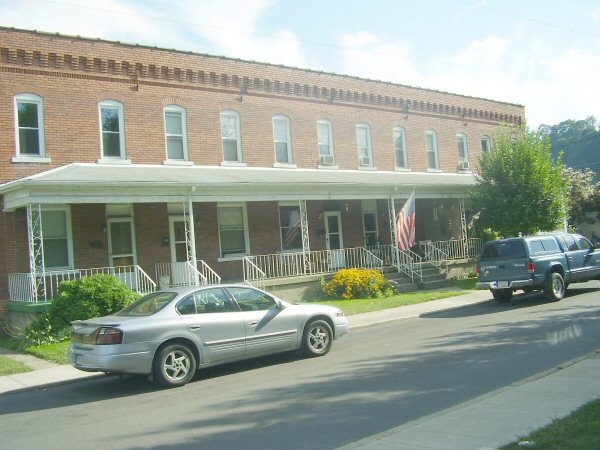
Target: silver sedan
[171,333]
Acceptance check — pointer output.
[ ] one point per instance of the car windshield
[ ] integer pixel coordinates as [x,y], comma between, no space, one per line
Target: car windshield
[148,305]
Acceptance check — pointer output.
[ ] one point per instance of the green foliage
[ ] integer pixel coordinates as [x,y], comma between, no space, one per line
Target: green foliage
[98,295]
[356,283]
[40,331]
[520,188]
[584,193]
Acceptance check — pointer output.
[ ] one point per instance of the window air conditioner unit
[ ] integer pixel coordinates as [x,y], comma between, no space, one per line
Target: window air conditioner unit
[463,165]
[365,161]
[326,160]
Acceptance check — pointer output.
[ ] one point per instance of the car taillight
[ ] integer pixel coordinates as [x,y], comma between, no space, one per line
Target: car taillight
[108,336]
[530,267]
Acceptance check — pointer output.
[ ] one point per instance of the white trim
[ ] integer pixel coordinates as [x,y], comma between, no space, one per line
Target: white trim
[433,150]
[238,135]
[288,139]
[402,136]
[176,109]
[118,106]
[244,208]
[39,103]
[364,153]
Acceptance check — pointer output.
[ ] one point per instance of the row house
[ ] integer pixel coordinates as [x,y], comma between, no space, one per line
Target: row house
[166,167]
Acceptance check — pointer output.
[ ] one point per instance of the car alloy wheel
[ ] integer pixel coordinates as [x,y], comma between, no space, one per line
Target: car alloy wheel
[317,338]
[174,365]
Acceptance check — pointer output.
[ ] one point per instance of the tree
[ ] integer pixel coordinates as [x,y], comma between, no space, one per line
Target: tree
[519,187]
[583,193]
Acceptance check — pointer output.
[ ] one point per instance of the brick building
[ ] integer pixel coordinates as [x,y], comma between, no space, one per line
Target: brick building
[169,167]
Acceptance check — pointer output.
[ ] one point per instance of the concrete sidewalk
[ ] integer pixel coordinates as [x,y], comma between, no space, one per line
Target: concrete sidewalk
[484,423]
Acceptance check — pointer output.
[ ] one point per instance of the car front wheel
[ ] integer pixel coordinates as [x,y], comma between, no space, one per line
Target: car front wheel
[174,365]
[317,338]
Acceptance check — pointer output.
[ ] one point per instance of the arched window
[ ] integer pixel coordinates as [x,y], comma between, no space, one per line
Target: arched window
[29,120]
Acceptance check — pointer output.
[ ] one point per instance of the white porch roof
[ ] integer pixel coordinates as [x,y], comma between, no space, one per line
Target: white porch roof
[116,183]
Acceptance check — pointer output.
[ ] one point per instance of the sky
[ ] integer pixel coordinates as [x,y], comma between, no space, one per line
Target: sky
[542,54]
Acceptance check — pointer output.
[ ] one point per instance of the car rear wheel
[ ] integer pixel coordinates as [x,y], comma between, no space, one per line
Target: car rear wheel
[317,338]
[174,365]
[502,295]
[555,287]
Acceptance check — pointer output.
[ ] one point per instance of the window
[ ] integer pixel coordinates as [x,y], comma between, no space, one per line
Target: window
[432,150]
[463,154]
[252,300]
[175,133]
[325,138]
[486,144]
[363,139]
[233,234]
[206,301]
[29,120]
[112,130]
[400,148]
[370,228]
[56,240]
[230,135]
[281,136]
[290,227]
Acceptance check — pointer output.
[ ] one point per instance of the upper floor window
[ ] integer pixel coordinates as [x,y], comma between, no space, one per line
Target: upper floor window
[363,139]
[325,138]
[230,135]
[432,150]
[463,153]
[112,129]
[233,230]
[29,120]
[486,144]
[400,148]
[281,137]
[176,133]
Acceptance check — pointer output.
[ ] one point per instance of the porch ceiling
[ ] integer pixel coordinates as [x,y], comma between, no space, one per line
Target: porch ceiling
[103,183]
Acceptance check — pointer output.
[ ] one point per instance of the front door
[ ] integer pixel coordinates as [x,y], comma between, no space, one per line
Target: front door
[180,270]
[121,247]
[334,240]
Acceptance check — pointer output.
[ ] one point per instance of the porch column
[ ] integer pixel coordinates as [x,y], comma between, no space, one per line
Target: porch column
[35,236]
[463,228]
[393,231]
[305,235]
[190,235]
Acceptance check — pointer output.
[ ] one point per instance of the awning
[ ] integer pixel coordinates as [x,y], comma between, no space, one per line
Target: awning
[107,183]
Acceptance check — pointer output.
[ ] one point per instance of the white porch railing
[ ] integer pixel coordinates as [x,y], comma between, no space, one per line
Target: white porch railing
[410,264]
[185,274]
[283,265]
[452,249]
[22,286]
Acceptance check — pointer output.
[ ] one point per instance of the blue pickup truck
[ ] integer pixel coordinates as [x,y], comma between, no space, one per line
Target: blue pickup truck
[547,262]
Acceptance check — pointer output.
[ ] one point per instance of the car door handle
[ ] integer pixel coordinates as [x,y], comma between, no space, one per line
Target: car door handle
[195,327]
[253,323]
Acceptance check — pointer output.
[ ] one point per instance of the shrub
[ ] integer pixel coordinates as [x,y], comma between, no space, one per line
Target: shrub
[39,332]
[356,283]
[98,295]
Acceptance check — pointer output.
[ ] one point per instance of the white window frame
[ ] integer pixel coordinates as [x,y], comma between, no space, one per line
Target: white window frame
[245,229]
[278,120]
[486,144]
[176,110]
[325,143]
[238,136]
[283,229]
[399,136]
[432,151]
[20,155]
[69,234]
[365,149]
[463,152]
[118,106]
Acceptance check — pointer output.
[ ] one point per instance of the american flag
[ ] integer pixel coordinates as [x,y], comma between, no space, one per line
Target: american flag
[405,224]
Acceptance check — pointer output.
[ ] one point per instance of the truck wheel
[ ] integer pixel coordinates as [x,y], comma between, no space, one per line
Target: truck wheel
[502,295]
[555,287]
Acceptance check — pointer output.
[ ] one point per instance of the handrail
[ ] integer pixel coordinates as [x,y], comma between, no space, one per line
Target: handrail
[253,275]
[410,263]
[208,273]
[435,256]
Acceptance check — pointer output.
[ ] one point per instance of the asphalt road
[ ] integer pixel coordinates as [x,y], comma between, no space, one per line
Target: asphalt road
[374,379]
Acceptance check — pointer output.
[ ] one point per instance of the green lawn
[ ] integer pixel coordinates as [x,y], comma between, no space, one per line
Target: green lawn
[10,366]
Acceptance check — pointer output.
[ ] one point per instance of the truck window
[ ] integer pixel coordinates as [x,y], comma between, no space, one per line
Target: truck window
[507,249]
[536,247]
[550,245]
[583,243]
[571,245]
